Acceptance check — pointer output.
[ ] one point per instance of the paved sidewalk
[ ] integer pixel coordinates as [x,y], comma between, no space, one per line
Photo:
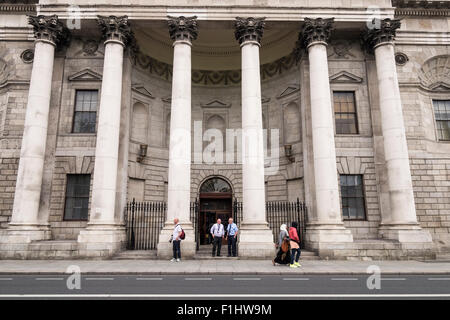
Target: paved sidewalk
[218,267]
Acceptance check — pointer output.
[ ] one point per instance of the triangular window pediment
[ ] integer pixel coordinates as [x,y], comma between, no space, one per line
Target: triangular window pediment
[288,91]
[216,104]
[142,90]
[440,86]
[86,75]
[345,77]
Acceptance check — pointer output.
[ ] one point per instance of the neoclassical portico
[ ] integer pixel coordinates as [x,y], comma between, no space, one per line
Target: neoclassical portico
[327,233]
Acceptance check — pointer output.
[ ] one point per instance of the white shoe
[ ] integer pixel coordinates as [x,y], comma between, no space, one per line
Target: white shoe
[178,260]
[172,260]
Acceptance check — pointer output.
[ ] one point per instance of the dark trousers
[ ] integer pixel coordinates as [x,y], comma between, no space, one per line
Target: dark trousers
[293,255]
[232,245]
[176,249]
[217,243]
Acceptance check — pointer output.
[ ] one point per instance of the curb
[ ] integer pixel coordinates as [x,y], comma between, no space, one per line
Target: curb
[220,273]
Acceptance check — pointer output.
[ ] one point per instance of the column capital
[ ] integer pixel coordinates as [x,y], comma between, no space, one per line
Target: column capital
[315,30]
[116,29]
[183,28]
[49,29]
[249,29]
[380,32]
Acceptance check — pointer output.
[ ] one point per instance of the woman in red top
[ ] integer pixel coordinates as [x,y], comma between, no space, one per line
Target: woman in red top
[295,245]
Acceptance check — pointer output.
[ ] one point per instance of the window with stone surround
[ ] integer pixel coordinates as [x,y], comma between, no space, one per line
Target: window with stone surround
[442,116]
[345,112]
[352,195]
[85,114]
[77,197]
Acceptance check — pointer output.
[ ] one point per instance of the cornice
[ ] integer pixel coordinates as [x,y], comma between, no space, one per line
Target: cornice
[411,12]
[17,7]
[421,8]
[422,4]
[221,12]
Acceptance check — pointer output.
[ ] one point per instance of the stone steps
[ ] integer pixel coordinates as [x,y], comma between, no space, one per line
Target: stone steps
[136,255]
[54,249]
[443,257]
[204,253]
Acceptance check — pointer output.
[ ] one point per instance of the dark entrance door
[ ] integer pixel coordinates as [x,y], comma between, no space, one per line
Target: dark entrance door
[215,203]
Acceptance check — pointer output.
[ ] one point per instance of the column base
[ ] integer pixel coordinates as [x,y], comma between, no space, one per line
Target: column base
[318,235]
[328,240]
[21,233]
[101,241]
[164,250]
[256,241]
[404,233]
[15,240]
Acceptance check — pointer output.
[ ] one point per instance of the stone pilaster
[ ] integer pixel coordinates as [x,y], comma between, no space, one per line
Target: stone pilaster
[327,227]
[182,30]
[255,237]
[105,232]
[401,222]
[26,224]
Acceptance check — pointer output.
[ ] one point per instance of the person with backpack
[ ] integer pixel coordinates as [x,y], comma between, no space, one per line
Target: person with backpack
[295,245]
[177,236]
[283,254]
[217,232]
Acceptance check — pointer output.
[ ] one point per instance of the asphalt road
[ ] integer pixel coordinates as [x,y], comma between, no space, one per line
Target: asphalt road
[223,286]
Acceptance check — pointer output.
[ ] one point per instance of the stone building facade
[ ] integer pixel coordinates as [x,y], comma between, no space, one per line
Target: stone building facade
[100,104]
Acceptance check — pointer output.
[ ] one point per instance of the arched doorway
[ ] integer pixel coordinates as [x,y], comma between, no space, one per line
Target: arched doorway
[215,203]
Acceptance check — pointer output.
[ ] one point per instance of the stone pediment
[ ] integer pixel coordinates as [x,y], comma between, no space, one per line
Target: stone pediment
[440,86]
[85,75]
[293,88]
[345,77]
[216,104]
[141,89]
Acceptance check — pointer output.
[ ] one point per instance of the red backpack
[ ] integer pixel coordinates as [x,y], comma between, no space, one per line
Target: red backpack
[182,235]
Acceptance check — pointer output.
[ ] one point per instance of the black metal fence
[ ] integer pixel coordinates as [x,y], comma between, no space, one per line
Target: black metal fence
[144,220]
[279,212]
[194,206]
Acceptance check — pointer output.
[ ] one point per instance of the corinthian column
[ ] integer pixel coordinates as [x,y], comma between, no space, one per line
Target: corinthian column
[256,238]
[327,225]
[182,30]
[26,225]
[401,222]
[104,227]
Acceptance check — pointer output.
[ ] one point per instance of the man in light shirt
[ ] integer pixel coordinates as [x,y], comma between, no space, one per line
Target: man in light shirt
[232,231]
[217,232]
[176,241]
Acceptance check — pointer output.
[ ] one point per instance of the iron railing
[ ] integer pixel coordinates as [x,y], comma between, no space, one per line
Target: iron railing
[277,213]
[144,220]
[194,206]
